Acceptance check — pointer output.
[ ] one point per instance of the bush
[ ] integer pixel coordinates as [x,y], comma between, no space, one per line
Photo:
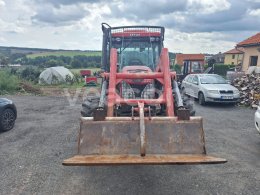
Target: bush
[30,74]
[8,83]
[77,78]
[69,79]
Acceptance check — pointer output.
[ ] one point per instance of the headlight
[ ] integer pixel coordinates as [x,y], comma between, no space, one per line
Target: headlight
[213,91]
[236,91]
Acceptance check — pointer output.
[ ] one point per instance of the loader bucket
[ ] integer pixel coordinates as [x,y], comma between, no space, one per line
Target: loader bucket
[119,141]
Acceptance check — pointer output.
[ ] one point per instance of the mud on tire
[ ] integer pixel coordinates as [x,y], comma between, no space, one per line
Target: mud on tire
[89,105]
[187,103]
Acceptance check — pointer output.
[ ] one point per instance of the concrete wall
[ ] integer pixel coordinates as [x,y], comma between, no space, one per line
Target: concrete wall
[250,51]
[229,60]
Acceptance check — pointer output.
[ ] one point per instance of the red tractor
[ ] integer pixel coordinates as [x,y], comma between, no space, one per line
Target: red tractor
[139,117]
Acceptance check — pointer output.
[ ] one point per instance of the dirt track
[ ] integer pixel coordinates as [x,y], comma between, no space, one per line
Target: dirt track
[46,133]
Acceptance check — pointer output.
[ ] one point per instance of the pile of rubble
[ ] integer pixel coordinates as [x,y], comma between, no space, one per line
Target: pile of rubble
[29,88]
[249,87]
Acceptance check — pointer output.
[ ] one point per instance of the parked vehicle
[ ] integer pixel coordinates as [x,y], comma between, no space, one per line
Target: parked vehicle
[209,88]
[8,114]
[257,119]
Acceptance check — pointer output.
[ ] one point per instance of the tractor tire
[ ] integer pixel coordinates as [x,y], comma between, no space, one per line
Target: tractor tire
[187,103]
[89,105]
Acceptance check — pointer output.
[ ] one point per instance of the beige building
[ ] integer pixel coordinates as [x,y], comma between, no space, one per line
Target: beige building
[234,57]
[251,48]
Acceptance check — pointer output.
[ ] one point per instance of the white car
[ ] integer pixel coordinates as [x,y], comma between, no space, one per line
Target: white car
[257,119]
[209,88]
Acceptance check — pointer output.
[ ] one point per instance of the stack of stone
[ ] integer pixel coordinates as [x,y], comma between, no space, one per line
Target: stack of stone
[249,87]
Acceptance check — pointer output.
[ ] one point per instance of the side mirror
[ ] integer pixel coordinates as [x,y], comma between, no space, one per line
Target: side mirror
[228,81]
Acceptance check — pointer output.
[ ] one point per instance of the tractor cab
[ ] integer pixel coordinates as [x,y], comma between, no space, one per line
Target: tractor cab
[138,51]
[139,46]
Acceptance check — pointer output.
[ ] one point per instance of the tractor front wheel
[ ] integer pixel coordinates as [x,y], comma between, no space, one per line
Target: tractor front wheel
[89,105]
[187,103]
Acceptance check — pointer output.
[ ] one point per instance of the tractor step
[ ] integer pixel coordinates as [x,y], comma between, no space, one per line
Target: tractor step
[93,160]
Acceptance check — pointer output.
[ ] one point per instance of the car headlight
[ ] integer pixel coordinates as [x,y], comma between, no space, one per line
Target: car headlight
[213,91]
[236,91]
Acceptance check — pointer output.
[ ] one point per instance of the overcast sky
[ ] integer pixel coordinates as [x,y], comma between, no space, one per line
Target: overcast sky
[192,26]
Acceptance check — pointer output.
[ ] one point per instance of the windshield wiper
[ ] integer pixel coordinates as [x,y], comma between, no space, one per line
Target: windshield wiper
[126,46]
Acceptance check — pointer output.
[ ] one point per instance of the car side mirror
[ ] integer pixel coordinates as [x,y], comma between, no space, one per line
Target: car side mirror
[195,82]
[228,81]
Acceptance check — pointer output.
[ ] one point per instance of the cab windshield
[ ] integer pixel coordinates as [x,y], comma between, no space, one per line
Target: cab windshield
[137,53]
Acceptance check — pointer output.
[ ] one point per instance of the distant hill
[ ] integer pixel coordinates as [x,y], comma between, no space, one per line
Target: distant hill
[65,53]
[34,52]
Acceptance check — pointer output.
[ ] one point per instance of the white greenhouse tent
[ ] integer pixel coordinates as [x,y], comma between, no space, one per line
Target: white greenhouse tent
[55,75]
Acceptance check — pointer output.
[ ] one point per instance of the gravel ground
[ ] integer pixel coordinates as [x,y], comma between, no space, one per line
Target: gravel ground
[46,133]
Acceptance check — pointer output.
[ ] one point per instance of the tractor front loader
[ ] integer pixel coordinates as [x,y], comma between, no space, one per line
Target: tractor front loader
[139,116]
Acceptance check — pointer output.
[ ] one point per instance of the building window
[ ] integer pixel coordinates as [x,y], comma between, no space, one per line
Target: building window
[253,60]
[232,63]
[233,56]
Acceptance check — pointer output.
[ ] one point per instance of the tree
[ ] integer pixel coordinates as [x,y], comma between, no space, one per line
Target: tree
[76,63]
[4,61]
[52,63]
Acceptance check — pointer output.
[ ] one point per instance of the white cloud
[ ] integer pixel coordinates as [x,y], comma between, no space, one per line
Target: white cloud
[254,12]
[204,42]
[11,27]
[208,6]
[2,3]
[62,15]
[2,40]
[192,26]
[256,1]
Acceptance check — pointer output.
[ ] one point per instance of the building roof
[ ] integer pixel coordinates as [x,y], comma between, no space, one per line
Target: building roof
[251,41]
[234,51]
[181,57]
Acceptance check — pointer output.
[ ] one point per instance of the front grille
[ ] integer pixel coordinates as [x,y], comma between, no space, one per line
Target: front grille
[226,91]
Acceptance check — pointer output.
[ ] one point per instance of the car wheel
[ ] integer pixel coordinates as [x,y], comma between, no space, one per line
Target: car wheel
[7,120]
[201,99]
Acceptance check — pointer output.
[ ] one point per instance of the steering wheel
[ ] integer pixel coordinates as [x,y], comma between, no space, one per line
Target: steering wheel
[135,62]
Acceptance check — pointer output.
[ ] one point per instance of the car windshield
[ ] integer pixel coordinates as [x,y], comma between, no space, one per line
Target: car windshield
[212,79]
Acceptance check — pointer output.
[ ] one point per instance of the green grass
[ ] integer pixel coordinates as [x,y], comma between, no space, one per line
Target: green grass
[8,83]
[65,53]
